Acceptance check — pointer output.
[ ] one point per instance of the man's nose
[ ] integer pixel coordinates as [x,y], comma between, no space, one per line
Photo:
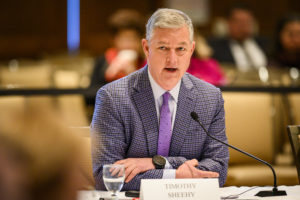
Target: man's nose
[172,58]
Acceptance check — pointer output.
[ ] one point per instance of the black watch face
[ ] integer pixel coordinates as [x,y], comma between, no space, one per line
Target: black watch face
[159,162]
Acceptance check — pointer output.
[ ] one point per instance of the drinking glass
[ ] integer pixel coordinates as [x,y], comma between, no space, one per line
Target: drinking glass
[113,177]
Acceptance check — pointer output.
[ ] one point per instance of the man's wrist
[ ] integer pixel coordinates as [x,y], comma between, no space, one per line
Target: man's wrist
[151,164]
[177,174]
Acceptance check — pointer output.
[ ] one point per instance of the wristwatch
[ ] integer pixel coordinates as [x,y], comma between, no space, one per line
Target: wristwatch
[159,162]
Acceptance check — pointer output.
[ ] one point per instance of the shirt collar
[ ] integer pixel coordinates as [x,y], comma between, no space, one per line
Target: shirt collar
[159,91]
[235,42]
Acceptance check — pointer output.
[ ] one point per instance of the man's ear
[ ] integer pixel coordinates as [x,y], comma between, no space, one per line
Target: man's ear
[145,46]
[193,46]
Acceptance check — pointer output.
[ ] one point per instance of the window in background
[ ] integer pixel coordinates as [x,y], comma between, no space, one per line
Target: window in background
[73,20]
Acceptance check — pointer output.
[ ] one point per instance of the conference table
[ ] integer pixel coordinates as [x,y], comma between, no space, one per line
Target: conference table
[241,193]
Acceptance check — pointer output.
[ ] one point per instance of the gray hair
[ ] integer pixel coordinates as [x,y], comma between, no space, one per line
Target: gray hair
[169,18]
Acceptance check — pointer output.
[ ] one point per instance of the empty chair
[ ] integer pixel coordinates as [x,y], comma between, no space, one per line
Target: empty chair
[86,161]
[250,126]
[30,74]
[11,104]
[33,75]
[294,136]
[71,107]
[294,100]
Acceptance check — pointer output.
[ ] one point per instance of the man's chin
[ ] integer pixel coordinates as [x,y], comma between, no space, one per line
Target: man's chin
[169,83]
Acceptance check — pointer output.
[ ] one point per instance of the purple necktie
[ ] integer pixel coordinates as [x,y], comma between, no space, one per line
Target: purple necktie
[165,127]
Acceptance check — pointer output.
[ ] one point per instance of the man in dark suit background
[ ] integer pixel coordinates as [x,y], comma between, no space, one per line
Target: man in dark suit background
[241,47]
[143,120]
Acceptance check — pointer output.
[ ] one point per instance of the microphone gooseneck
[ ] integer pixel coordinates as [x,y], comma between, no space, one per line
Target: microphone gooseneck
[275,191]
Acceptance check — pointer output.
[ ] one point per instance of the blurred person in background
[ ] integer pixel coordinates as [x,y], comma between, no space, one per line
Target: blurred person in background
[241,47]
[38,156]
[287,42]
[203,66]
[125,54]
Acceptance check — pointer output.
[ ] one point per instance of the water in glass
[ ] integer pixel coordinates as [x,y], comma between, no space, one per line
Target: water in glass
[113,177]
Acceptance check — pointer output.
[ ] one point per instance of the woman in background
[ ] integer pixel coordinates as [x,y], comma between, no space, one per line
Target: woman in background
[203,66]
[287,42]
[125,54]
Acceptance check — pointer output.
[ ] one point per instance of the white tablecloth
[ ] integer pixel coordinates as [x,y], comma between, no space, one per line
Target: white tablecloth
[293,193]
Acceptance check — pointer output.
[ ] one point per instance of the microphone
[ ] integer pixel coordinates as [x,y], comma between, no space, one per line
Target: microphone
[275,191]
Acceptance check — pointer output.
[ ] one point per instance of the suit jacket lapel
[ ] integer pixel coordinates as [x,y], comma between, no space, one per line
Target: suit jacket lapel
[185,106]
[144,101]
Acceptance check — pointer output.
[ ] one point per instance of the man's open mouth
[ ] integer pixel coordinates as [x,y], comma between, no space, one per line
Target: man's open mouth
[171,69]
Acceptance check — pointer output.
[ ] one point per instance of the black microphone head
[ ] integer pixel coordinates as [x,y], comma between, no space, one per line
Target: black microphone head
[194,116]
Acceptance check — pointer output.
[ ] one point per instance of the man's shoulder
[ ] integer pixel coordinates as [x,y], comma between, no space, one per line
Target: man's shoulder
[201,86]
[124,84]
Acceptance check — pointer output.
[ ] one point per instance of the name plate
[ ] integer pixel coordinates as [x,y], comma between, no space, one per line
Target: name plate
[180,189]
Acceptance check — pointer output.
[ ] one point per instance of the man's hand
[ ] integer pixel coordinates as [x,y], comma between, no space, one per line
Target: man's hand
[188,170]
[134,166]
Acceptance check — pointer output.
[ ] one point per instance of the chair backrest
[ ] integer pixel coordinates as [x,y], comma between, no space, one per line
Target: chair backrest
[249,125]
[86,162]
[72,107]
[294,136]
[36,75]
[9,105]
[294,99]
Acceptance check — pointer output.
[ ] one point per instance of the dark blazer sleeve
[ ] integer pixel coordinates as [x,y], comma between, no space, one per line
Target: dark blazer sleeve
[109,142]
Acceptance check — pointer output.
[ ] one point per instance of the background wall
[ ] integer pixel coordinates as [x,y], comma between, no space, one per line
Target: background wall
[33,27]
[29,28]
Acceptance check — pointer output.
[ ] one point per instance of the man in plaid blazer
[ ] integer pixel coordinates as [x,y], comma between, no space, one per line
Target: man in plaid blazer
[126,124]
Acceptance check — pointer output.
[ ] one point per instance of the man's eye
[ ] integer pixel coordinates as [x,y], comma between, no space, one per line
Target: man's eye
[181,48]
[162,48]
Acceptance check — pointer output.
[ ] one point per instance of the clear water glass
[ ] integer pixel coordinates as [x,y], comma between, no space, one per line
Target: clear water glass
[113,177]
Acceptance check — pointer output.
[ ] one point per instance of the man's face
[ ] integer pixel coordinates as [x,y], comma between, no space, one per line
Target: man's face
[168,55]
[241,25]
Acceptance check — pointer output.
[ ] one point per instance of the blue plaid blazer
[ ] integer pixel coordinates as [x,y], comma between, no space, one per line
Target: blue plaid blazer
[125,125]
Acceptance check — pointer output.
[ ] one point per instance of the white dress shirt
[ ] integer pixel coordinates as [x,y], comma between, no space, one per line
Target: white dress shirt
[247,55]
[158,91]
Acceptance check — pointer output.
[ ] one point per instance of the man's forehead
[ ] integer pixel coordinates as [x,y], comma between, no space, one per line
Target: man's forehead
[168,42]
[160,36]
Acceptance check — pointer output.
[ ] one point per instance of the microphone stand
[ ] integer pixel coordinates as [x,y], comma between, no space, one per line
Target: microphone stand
[275,191]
